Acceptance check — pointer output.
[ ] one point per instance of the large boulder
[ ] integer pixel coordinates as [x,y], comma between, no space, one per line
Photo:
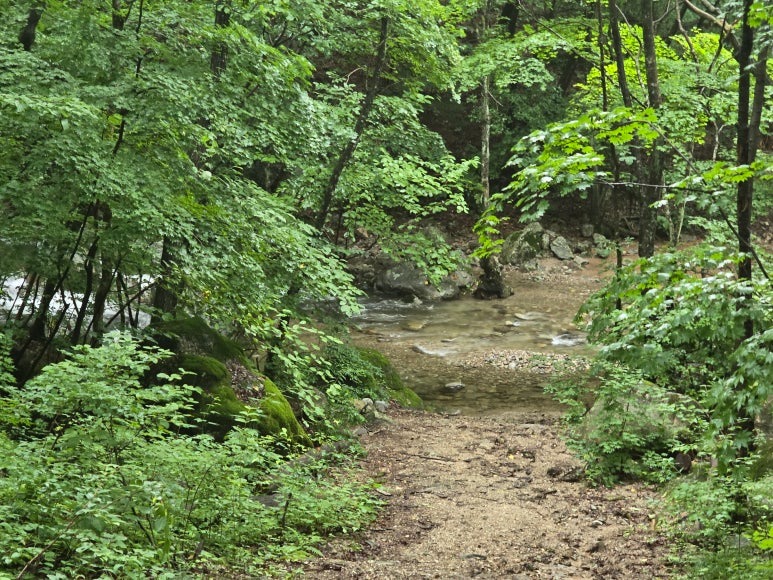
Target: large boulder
[229,383]
[561,248]
[408,281]
[520,249]
[602,246]
[390,379]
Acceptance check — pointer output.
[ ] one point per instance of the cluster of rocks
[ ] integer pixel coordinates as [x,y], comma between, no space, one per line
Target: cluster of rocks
[403,279]
[539,363]
[522,249]
[372,410]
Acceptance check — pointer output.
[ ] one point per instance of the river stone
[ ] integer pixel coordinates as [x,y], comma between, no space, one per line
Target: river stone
[568,339]
[381,406]
[561,248]
[522,247]
[586,230]
[407,281]
[454,387]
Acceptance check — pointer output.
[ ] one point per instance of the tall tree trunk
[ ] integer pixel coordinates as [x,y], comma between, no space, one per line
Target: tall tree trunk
[100,299]
[29,32]
[359,127]
[651,188]
[88,267]
[485,144]
[165,296]
[620,192]
[598,192]
[617,48]
[219,57]
[492,283]
[745,153]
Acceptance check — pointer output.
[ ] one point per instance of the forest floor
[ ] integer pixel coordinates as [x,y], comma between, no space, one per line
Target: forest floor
[494,497]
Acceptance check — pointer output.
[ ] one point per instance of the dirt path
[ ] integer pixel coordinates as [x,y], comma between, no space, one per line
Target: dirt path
[491,498]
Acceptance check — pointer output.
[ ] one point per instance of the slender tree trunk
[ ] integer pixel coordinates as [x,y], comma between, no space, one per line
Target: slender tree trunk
[100,299]
[219,56]
[88,267]
[359,127]
[165,296]
[620,192]
[651,188]
[745,153]
[29,32]
[492,283]
[485,145]
[598,191]
[617,47]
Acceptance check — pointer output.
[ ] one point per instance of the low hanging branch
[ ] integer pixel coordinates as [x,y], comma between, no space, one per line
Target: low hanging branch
[359,127]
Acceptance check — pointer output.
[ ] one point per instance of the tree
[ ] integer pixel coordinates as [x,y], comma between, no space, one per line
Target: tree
[119,144]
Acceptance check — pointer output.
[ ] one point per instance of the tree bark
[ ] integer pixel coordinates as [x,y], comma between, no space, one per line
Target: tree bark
[485,145]
[29,32]
[745,153]
[617,47]
[651,189]
[165,297]
[219,56]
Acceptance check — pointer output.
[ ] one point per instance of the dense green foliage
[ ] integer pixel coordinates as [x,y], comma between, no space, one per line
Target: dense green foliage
[205,169]
[99,478]
[681,388]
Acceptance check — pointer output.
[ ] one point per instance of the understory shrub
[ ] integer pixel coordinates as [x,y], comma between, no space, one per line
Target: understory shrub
[683,378]
[624,426]
[97,478]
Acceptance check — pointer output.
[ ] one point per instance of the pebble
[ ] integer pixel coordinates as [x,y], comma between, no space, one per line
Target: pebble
[455,386]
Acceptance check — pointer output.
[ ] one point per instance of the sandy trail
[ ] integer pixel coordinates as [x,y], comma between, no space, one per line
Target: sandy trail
[491,498]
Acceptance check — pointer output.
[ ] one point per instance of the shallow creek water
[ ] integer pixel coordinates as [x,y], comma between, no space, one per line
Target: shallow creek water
[481,344]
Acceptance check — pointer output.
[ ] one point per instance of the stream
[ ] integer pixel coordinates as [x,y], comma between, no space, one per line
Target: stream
[484,345]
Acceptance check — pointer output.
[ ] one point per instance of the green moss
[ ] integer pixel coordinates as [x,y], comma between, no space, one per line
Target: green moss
[391,380]
[277,415]
[406,397]
[207,371]
[208,355]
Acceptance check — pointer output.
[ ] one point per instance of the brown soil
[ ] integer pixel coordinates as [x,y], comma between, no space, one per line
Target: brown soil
[493,497]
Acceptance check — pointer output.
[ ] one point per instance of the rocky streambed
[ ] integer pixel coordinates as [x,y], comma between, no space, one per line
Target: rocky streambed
[485,357]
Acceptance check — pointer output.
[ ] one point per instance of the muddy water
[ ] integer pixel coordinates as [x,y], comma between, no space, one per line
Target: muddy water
[473,342]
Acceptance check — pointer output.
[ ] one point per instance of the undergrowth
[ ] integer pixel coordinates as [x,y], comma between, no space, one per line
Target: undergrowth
[681,395]
[99,479]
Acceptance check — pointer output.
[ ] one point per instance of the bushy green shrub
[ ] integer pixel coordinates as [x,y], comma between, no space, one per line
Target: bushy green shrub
[682,320]
[624,426]
[99,479]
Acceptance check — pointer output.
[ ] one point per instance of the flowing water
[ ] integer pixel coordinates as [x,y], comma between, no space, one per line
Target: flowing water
[482,344]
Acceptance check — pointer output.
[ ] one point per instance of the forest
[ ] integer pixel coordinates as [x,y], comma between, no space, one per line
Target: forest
[188,192]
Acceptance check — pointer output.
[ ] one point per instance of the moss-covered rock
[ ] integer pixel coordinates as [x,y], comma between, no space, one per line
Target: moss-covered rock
[391,380]
[277,415]
[229,382]
[194,336]
[406,397]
